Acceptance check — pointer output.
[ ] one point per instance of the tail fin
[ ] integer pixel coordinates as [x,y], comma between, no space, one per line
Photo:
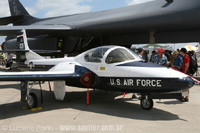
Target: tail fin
[23,45]
[17,9]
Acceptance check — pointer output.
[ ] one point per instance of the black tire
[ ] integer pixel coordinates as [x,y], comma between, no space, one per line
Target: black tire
[146,104]
[32,101]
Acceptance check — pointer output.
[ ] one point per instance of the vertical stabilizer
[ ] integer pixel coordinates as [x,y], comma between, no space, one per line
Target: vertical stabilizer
[17,9]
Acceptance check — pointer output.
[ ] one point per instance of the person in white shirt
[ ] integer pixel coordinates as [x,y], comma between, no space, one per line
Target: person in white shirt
[140,53]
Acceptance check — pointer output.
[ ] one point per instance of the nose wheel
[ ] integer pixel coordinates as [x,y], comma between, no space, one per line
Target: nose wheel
[146,104]
[32,101]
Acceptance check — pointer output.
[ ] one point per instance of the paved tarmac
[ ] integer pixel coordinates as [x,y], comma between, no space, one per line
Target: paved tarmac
[107,112]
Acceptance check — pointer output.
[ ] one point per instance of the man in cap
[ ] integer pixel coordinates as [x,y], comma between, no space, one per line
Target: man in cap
[160,58]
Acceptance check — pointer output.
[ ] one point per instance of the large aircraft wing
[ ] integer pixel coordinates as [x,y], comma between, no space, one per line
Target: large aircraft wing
[34,29]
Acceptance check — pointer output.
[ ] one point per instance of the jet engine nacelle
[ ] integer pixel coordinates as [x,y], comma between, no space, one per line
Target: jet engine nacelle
[36,43]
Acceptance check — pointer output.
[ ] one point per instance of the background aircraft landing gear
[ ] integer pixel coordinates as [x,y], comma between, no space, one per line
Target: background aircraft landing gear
[32,101]
[146,104]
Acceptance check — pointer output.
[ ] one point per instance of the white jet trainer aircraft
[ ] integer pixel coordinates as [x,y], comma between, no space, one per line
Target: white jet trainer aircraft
[112,68]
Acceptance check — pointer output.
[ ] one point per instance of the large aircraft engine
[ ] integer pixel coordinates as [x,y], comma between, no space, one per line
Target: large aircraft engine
[37,43]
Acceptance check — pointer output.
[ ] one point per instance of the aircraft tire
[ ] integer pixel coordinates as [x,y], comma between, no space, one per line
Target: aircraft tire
[146,104]
[32,101]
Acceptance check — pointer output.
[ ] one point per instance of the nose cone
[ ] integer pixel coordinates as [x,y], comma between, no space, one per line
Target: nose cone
[187,82]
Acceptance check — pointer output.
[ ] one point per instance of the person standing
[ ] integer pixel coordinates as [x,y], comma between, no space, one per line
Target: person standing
[177,63]
[141,53]
[185,68]
[8,60]
[193,63]
[152,55]
[160,58]
[2,58]
[186,61]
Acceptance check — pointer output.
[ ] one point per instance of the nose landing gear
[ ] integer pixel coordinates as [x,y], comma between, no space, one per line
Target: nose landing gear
[146,101]
[146,104]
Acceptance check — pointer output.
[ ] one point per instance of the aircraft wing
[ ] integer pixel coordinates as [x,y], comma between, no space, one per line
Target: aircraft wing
[34,29]
[37,76]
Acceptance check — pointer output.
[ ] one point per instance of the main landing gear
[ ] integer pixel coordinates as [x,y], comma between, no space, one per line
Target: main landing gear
[29,97]
[32,101]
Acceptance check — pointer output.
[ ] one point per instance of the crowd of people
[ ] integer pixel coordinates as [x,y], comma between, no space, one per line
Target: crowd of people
[181,60]
[6,59]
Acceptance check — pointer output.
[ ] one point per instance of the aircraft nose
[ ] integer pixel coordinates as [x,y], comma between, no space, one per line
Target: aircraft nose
[189,82]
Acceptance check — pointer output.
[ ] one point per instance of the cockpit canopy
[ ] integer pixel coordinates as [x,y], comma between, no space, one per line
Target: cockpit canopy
[116,55]
[119,55]
[95,55]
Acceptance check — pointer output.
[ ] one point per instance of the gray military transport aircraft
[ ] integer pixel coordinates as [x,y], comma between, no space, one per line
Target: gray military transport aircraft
[158,21]
[112,68]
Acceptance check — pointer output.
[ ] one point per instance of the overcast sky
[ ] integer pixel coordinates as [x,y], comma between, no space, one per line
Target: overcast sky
[50,8]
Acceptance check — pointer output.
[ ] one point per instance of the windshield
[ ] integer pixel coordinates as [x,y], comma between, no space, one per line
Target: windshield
[134,54]
[95,55]
[119,55]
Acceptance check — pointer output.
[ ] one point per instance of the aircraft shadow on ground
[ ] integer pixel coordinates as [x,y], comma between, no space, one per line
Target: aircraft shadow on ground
[100,102]
[10,86]
[170,102]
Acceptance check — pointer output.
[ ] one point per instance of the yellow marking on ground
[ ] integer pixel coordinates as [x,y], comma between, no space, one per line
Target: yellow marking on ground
[36,109]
